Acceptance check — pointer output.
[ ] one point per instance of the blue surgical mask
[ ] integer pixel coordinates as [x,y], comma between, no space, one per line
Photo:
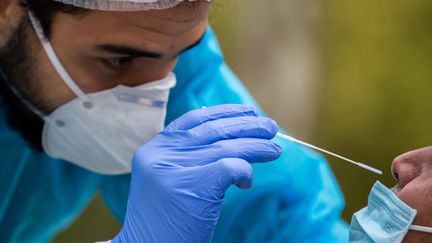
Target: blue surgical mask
[385,219]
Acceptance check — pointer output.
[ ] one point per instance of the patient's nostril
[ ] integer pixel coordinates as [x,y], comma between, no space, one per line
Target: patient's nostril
[395,170]
[396,176]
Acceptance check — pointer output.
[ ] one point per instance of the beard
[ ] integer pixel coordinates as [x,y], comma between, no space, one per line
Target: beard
[19,85]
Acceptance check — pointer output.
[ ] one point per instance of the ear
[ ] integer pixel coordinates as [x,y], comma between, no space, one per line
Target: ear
[5,6]
[11,13]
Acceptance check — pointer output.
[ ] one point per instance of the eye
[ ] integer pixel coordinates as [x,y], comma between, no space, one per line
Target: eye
[118,63]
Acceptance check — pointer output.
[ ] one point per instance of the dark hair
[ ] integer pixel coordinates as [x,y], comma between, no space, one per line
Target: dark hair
[44,11]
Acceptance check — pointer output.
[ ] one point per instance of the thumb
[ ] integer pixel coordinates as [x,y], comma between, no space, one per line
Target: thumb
[233,171]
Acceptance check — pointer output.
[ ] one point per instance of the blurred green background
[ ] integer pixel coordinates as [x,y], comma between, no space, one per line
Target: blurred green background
[350,76]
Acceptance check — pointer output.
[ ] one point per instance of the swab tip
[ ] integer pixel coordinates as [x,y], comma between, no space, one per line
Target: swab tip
[367,167]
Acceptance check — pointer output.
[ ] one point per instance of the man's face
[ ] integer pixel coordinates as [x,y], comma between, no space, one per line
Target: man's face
[101,50]
[413,170]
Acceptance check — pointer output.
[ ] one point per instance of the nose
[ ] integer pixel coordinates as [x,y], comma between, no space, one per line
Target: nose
[409,166]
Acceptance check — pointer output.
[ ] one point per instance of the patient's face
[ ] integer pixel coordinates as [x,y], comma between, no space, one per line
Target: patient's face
[413,170]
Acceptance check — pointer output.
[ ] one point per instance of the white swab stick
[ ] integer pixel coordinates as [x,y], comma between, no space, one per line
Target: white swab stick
[364,166]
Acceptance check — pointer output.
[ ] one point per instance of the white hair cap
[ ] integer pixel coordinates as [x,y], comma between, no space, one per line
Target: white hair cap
[125,5]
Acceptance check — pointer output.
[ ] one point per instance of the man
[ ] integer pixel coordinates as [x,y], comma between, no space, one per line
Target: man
[79,96]
[402,213]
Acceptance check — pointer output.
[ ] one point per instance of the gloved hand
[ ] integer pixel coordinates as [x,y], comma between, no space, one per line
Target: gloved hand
[180,177]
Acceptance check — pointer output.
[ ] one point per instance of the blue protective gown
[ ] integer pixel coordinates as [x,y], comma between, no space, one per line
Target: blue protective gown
[294,199]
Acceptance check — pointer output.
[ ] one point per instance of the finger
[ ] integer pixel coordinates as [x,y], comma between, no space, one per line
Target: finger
[233,128]
[253,150]
[200,116]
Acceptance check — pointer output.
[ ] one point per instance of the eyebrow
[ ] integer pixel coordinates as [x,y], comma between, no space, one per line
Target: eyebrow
[136,52]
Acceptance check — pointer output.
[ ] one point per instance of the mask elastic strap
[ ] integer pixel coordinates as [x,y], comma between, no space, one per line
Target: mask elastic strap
[421,228]
[24,100]
[55,61]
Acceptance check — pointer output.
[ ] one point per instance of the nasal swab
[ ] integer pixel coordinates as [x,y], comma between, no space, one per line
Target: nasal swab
[367,167]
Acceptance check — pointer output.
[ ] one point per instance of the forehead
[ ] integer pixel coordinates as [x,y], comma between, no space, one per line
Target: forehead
[172,21]
[163,31]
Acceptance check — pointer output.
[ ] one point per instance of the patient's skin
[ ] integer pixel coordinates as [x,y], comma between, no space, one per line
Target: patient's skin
[413,170]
